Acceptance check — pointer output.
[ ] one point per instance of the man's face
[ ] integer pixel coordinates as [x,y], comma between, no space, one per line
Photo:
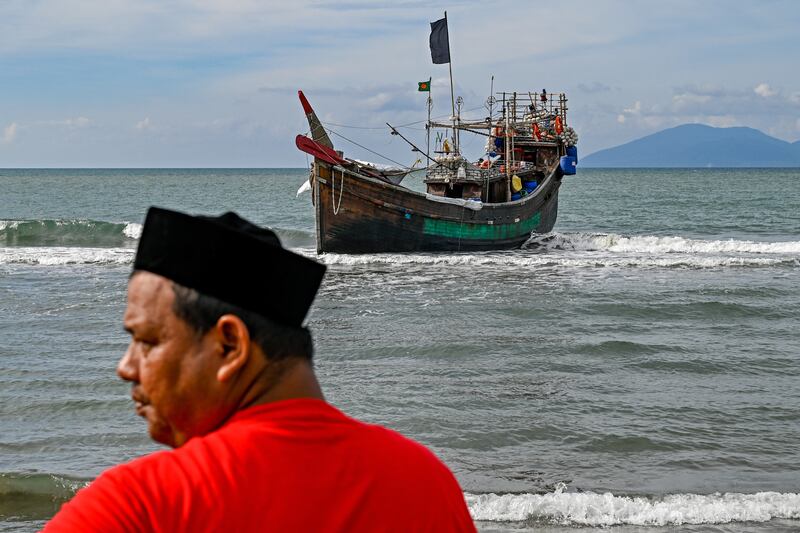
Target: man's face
[171,368]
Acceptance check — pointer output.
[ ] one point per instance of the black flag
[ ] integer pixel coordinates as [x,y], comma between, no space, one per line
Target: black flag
[440,42]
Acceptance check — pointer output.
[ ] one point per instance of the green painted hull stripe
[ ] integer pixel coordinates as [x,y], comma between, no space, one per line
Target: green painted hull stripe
[465,230]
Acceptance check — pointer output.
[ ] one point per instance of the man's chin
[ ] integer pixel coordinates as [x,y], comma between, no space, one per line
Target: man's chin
[160,431]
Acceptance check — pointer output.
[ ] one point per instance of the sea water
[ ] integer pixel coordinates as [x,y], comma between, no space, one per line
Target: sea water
[639,367]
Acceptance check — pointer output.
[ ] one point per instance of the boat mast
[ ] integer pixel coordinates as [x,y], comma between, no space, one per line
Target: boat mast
[514,136]
[490,101]
[428,128]
[452,92]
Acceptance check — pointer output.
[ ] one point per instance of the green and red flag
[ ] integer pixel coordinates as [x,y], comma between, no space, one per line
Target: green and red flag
[423,86]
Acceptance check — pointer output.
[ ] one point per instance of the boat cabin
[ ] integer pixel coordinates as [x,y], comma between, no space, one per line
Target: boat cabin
[524,142]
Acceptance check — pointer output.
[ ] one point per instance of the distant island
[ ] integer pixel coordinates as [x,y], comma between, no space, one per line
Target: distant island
[698,145]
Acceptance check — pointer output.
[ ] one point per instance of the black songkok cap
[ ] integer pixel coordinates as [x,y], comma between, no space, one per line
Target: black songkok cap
[231,259]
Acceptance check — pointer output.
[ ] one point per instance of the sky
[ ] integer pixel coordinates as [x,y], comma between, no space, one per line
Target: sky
[213,83]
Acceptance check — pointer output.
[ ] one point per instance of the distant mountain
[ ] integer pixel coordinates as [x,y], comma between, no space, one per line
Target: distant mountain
[697,145]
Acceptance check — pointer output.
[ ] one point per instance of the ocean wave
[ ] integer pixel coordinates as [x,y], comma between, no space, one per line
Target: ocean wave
[47,491]
[585,250]
[518,260]
[65,255]
[68,232]
[101,234]
[593,509]
[132,230]
[36,496]
[52,485]
[296,238]
[651,244]
[91,242]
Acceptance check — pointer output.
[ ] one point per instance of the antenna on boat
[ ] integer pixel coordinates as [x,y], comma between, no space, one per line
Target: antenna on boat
[491,100]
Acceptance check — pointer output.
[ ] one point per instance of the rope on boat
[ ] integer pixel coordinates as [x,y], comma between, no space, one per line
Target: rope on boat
[333,192]
[401,165]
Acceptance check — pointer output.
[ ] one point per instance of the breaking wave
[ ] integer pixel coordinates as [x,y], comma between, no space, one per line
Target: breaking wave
[296,238]
[649,244]
[65,255]
[584,250]
[68,232]
[100,234]
[35,496]
[593,509]
[43,494]
[64,242]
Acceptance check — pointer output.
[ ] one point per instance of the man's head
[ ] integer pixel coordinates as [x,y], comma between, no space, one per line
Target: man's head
[195,359]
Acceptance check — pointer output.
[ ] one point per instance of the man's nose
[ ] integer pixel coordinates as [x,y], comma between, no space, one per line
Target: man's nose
[127,368]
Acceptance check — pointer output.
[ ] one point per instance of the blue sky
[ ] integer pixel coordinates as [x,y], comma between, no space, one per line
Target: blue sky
[196,83]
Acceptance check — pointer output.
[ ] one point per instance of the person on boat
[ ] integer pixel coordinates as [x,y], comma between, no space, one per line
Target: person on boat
[221,369]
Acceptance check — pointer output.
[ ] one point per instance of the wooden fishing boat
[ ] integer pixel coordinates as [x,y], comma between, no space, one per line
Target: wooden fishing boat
[497,202]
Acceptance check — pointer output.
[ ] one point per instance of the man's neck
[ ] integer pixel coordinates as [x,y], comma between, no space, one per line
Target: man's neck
[287,380]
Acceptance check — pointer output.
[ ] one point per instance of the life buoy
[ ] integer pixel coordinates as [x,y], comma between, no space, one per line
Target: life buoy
[559,126]
[536,132]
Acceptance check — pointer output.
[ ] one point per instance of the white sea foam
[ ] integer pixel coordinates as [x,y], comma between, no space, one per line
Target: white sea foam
[592,509]
[579,250]
[65,255]
[9,224]
[659,244]
[132,230]
[553,260]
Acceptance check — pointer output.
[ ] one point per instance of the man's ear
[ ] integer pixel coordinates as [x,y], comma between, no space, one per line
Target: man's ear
[234,337]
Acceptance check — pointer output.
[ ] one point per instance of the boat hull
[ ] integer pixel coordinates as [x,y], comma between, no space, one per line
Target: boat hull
[360,214]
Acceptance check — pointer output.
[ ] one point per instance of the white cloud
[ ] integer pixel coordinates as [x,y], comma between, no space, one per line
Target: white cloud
[687,99]
[9,133]
[594,87]
[377,101]
[635,110]
[77,122]
[764,90]
[721,121]
[143,124]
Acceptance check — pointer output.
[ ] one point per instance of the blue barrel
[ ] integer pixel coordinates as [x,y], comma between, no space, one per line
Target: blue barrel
[572,151]
[530,186]
[568,165]
[516,196]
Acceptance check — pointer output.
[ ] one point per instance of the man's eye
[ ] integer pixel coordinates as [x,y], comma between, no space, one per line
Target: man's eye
[146,343]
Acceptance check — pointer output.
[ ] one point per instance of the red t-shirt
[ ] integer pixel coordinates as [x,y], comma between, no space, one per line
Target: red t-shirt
[295,465]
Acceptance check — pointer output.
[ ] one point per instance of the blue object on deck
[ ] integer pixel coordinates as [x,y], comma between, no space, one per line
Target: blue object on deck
[572,151]
[530,186]
[568,165]
[516,196]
